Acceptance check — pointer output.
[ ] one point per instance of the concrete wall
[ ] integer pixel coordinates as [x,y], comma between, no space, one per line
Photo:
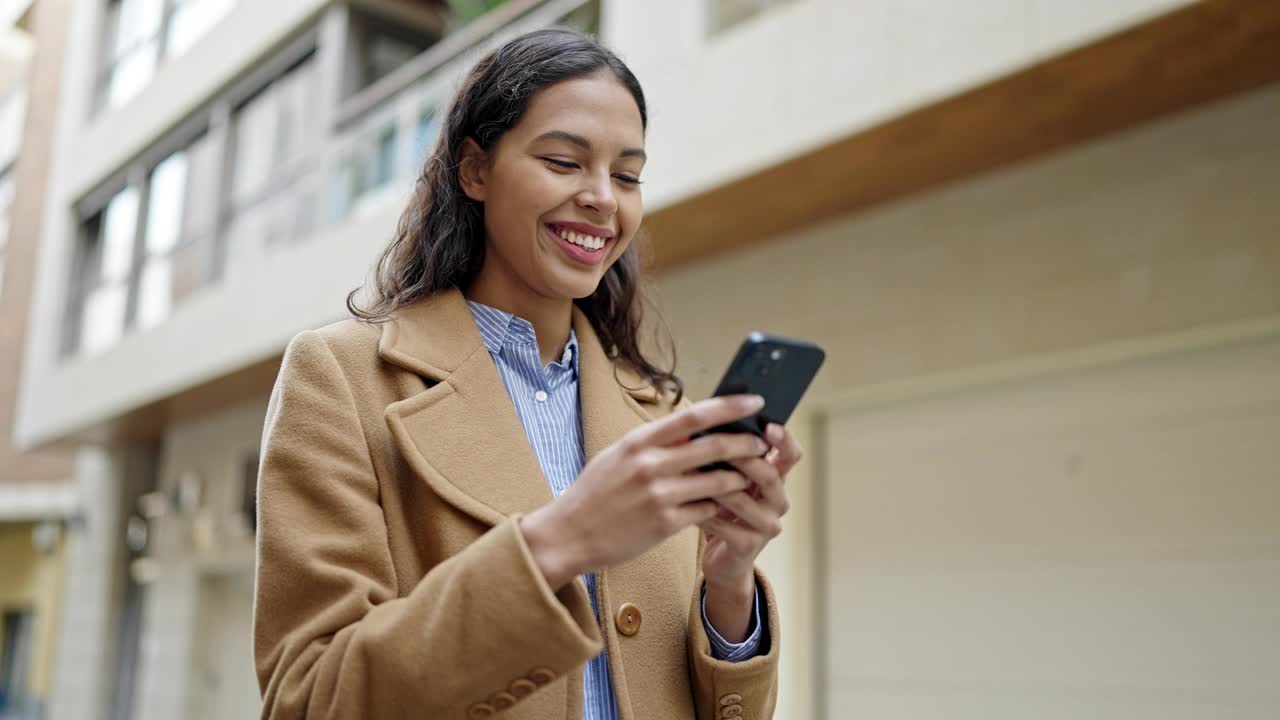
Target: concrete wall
[1163,229]
[196,659]
[810,71]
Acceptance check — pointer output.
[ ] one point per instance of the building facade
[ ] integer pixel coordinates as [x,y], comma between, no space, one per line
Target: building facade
[1038,240]
[37,498]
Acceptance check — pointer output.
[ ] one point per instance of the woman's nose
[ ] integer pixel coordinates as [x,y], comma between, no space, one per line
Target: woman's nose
[598,195]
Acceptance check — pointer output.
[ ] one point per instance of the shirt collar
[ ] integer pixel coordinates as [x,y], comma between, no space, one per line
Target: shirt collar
[499,328]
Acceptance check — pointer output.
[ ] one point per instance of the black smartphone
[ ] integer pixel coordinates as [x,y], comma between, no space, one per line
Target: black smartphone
[776,368]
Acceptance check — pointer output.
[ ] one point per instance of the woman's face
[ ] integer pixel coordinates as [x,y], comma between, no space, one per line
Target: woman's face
[561,201]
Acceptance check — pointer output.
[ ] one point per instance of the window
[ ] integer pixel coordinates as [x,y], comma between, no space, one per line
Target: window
[383,45]
[275,141]
[12,119]
[133,47]
[140,33]
[163,228]
[727,13]
[134,265]
[273,132]
[107,262]
[17,634]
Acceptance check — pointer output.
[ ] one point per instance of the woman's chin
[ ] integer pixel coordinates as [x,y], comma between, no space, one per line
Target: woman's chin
[574,285]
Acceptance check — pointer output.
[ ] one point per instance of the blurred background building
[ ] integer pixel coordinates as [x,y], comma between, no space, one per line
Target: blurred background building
[1040,241]
[37,497]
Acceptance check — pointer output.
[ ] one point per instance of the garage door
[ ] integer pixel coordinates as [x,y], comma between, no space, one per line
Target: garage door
[1095,544]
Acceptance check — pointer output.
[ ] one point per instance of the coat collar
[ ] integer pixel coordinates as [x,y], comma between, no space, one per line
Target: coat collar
[462,435]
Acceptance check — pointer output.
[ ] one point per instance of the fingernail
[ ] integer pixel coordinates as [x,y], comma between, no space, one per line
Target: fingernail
[755,402]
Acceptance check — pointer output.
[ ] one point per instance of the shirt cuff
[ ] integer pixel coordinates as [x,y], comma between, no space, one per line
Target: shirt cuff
[735,652]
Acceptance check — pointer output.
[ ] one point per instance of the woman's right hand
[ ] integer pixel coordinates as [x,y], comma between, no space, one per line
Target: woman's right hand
[641,490]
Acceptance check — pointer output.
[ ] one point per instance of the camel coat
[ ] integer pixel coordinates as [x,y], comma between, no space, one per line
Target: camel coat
[393,580]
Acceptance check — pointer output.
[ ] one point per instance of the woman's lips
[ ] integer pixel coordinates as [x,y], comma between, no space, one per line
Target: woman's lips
[574,248]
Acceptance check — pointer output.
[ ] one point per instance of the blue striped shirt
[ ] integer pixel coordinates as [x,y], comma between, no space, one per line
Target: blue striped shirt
[546,400]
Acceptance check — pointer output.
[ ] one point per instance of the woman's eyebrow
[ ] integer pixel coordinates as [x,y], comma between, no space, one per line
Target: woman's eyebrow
[585,144]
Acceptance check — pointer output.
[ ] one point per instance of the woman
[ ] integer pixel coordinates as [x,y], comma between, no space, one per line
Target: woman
[480,495]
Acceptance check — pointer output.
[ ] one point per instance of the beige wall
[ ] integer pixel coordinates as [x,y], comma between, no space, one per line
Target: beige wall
[1097,542]
[32,580]
[31,176]
[1166,228]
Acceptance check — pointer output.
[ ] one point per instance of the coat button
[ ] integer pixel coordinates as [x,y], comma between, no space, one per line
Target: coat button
[480,710]
[628,620]
[541,676]
[502,700]
[522,688]
[731,712]
[730,699]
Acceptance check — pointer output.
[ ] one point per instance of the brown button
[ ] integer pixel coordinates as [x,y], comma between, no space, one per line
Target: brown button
[502,700]
[730,699]
[730,712]
[480,710]
[541,676]
[628,620]
[522,688]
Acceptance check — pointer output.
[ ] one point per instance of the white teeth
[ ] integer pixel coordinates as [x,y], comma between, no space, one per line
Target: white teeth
[589,242]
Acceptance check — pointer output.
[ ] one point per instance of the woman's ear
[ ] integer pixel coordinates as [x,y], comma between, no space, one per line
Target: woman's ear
[473,170]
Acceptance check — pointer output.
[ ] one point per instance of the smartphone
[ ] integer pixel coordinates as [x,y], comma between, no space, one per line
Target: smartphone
[776,368]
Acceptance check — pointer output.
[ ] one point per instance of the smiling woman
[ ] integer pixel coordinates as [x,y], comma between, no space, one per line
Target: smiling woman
[479,495]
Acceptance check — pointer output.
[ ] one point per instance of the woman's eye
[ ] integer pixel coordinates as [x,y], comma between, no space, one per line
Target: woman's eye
[628,179]
[565,164]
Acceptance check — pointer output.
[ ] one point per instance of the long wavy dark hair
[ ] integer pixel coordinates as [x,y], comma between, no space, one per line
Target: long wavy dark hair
[439,242]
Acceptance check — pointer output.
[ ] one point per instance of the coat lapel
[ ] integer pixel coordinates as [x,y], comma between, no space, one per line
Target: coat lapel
[461,434]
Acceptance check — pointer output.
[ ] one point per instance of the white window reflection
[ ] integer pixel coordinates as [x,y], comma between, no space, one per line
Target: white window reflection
[133,45]
[119,225]
[103,319]
[12,118]
[137,22]
[155,292]
[165,206]
[164,228]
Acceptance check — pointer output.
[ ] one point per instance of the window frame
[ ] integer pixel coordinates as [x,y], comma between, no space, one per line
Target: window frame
[214,119]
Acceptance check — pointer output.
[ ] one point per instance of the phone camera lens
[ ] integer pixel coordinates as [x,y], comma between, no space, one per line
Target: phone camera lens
[776,354]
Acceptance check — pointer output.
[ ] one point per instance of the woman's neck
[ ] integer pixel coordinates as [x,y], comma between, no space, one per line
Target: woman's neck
[551,317]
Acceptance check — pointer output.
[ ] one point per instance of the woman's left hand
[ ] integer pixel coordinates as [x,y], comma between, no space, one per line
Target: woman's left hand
[748,520]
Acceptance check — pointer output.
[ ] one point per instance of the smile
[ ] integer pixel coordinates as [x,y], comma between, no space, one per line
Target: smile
[584,240]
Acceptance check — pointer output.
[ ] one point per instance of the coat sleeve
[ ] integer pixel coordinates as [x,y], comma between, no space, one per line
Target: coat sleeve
[719,685]
[332,639]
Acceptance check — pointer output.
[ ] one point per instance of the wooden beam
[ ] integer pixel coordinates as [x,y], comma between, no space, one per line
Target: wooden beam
[1201,53]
